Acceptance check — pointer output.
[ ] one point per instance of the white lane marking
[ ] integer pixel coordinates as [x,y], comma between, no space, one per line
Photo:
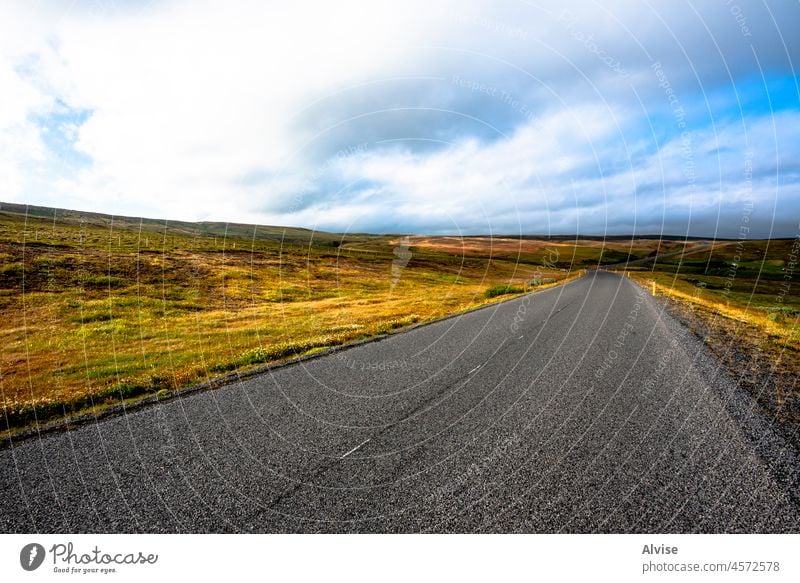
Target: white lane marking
[521,337]
[354,449]
[474,369]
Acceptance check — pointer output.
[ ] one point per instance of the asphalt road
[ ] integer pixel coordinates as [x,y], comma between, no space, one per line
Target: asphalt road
[582,408]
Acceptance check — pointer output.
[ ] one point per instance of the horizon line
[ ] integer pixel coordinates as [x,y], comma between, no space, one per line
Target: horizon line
[27,206]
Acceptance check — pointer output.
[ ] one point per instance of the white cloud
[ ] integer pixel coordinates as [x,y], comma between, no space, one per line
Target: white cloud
[571,169]
[212,110]
[187,98]
[20,138]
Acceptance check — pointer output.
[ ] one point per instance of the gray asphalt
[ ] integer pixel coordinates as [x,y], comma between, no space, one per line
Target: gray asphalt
[582,408]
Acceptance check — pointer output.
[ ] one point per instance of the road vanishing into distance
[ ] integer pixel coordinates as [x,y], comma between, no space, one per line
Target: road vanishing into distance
[581,408]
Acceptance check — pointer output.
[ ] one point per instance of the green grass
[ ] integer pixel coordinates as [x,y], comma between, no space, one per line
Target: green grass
[537,281]
[501,290]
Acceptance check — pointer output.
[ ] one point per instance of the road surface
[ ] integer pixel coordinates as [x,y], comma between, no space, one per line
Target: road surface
[582,408]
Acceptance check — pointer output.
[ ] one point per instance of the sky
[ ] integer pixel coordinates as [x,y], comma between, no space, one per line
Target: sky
[422,117]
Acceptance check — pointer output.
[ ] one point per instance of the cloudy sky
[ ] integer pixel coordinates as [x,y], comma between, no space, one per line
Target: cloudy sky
[497,116]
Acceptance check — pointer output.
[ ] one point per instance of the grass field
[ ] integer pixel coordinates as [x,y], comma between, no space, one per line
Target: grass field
[749,281]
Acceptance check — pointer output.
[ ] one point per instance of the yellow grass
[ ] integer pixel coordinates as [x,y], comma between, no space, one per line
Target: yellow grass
[786,331]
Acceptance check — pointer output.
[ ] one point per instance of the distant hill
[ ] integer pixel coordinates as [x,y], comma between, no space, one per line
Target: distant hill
[163,226]
[277,233]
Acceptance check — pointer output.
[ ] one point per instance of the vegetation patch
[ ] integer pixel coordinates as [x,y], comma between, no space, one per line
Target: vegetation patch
[536,282]
[501,290]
